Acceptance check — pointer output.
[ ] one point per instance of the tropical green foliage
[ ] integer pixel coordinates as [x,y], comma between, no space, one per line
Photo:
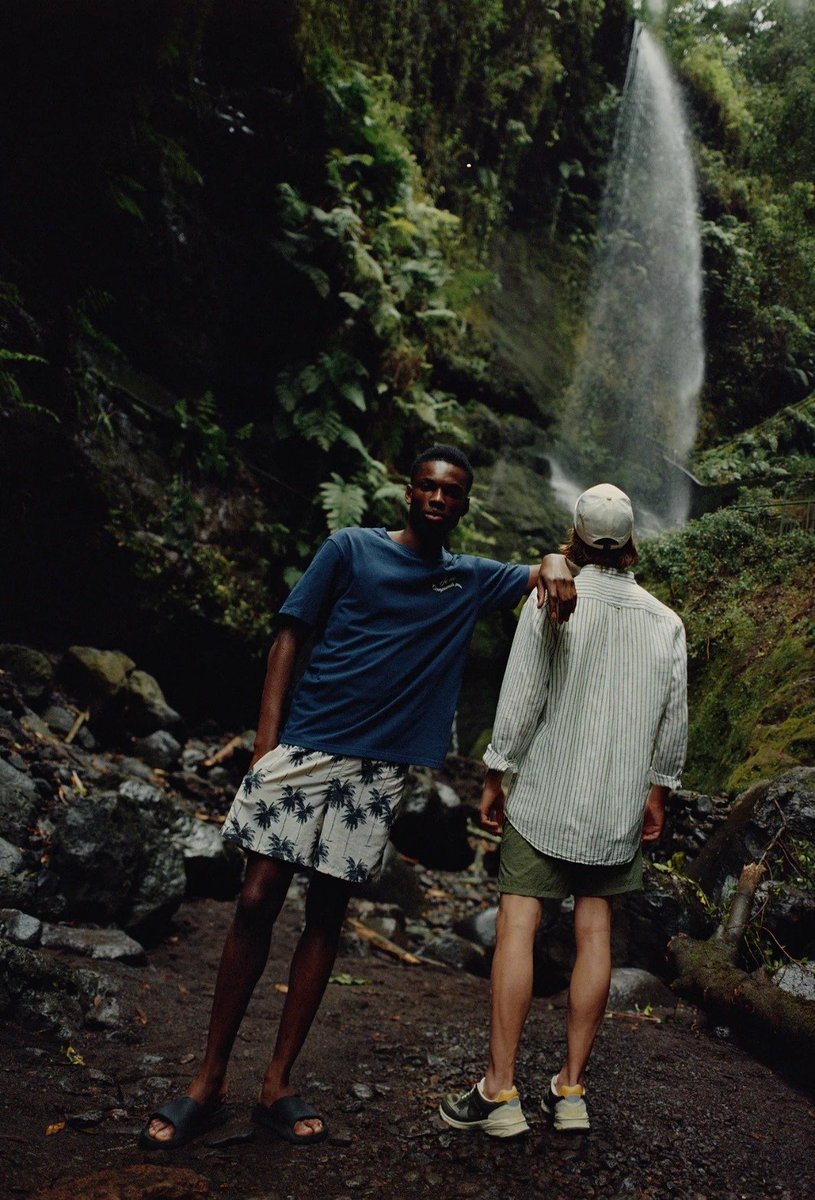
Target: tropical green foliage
[778,455]
[745,595]
[377,256]
[249,273]
[480,81]
[749,69]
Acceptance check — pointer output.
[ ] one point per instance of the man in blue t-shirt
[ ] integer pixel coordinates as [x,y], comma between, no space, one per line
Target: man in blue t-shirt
[394,613]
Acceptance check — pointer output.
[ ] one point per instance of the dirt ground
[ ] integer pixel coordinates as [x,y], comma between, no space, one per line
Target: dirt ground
[676,1111]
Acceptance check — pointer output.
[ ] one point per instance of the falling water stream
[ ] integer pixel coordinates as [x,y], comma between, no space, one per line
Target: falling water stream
[631,410]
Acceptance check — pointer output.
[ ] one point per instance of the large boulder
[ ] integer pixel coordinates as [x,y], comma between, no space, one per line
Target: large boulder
[33,671]
[142,708]
[760,816]
[773,822]
[115,861]
[18,810]
[213,867]
[17,887]
[398,884]
[121,699]
[95,675]
[38,991]
[431,827]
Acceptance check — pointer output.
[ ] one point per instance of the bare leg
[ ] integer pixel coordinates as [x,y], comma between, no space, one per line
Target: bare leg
[516,926]
[589,985]
[311,967]
[243,959]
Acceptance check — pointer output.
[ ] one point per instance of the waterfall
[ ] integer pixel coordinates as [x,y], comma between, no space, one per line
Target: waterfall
[631,410]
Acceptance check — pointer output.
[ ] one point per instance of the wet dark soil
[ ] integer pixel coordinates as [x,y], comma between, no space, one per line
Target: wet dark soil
[676,1111]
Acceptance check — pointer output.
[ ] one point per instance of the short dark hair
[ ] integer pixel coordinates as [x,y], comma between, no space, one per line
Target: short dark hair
[580,553]
[444,453]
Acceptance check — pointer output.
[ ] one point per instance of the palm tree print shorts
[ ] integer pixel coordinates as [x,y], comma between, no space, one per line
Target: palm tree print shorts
[329,812]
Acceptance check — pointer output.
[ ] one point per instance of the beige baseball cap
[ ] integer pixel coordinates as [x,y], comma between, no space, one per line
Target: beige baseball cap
[603,517]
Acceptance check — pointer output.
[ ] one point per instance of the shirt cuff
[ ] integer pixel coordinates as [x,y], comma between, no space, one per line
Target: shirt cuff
[496,761]
[668,781]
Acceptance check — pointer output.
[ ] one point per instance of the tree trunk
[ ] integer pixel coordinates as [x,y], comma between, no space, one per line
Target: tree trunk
[773,1022]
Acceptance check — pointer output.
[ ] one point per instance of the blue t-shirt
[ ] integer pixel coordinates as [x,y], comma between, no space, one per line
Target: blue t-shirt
[384,676]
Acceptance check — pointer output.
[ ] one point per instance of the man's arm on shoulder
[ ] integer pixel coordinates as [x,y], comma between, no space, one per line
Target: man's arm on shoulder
[554,578]
[279,671]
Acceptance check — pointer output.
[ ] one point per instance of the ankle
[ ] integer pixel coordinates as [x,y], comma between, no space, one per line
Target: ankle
[275,1083]
[496,1087]
[566,1085]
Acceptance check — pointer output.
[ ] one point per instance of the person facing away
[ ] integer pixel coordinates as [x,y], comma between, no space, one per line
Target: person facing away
[592,728]
[394,613]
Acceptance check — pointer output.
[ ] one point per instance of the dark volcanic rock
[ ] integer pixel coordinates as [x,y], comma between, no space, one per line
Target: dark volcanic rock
[432,824]
[114,859]
[456,951]
[757,817]
[18,810]
[19,927]
[38,991]
[213,867]
[95,943]
[142,709]
[17,887]
[773,817]
[159,749]
[33,671]
[11,776]
[95,675]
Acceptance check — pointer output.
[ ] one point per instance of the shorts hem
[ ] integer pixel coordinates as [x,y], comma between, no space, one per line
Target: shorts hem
[299,865]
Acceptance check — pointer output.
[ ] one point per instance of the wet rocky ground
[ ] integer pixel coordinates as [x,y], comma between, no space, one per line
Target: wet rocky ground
[676,1110]
[115,894]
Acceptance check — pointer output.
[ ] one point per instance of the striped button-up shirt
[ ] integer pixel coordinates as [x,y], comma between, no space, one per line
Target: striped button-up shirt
[590,714]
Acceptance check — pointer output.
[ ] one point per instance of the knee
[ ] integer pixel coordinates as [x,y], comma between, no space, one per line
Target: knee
[592,921]
[518,916]
[258,904]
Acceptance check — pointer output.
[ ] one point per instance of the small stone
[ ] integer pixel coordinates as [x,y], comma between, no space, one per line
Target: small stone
[100,1078]
[110,944]
[19,927]
[104,1013]
[11,777]
[159,749]
[85,1120]
[796,978]
[145,794]
[59,719]
[239,1136]
[362,1091]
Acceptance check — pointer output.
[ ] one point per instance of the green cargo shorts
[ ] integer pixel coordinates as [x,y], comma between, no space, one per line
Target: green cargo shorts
[525,871]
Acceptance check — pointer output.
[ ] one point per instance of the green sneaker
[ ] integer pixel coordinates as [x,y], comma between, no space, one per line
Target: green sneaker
[471,1110]
[566,1107]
